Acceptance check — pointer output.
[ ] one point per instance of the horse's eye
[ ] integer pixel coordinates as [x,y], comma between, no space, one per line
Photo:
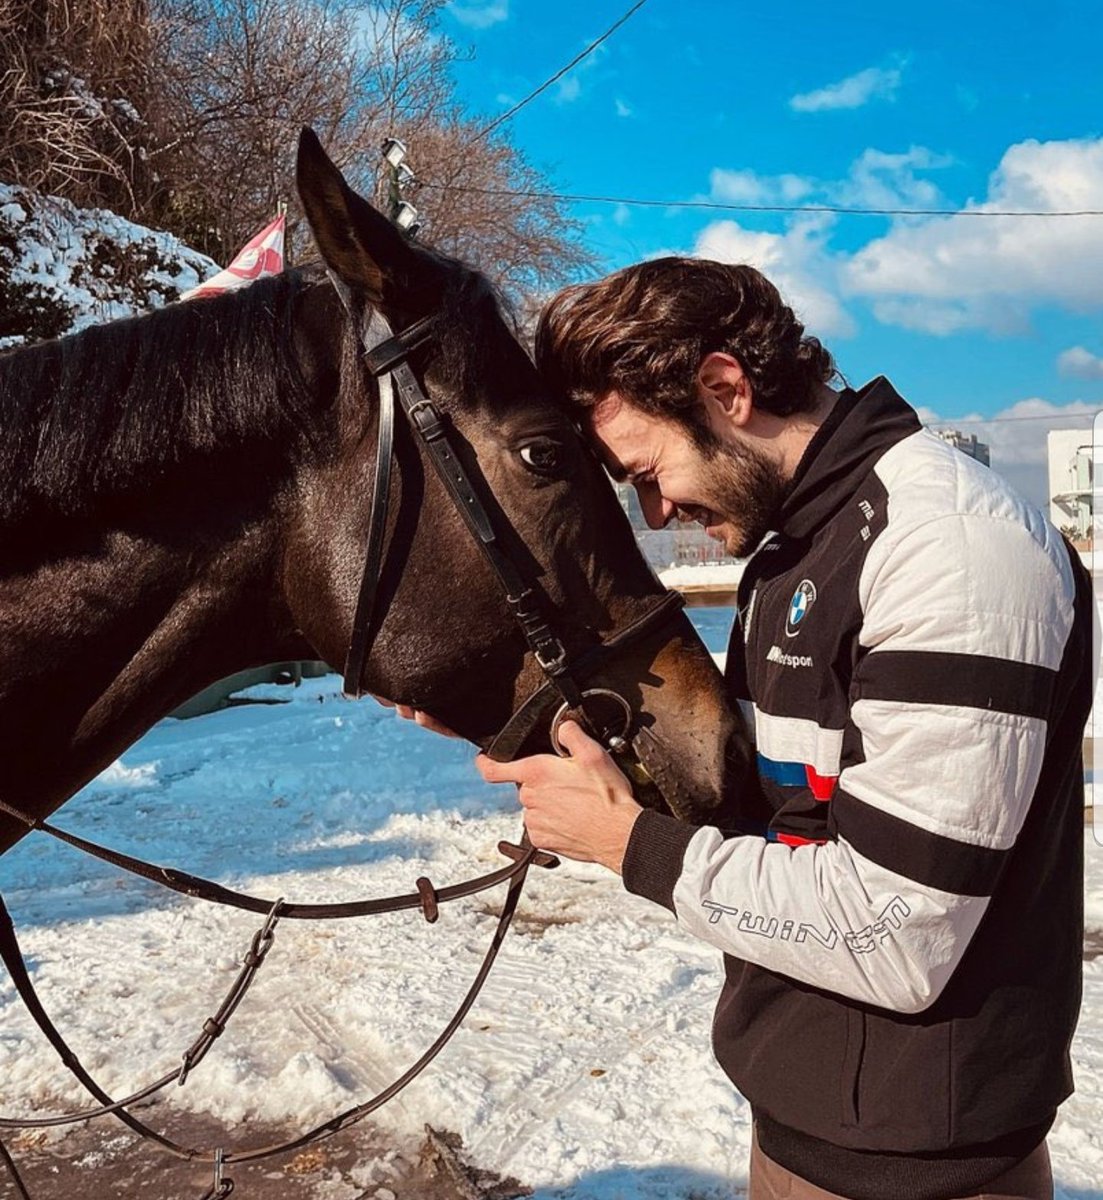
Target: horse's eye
[545,456]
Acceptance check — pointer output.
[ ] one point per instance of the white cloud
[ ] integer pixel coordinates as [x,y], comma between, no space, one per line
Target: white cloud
[874,83]
[796,261]
[876,179]
[943,274]
[799,260]
[623,110]
[622,214]
[569,90]
[747,187]
[1080,363]
[1016,437]
[479,14]
[379,28]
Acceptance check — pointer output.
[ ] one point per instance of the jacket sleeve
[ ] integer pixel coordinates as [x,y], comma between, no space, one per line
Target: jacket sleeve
[964,624]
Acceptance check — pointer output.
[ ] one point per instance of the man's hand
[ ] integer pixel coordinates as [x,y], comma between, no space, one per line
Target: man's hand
[580,807]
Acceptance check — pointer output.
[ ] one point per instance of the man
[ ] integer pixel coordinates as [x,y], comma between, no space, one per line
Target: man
[903,932]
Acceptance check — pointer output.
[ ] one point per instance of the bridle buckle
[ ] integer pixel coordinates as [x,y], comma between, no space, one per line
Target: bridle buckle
[553,659]
[415,410]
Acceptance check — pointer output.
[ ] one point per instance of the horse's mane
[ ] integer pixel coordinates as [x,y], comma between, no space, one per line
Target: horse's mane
[111,408]
[94,413]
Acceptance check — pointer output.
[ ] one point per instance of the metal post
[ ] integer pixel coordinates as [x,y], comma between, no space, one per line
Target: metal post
[281,211]
[397,174]
[394,192]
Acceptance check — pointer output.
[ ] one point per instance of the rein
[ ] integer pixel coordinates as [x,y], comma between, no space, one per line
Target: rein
[386,355]
[427,898]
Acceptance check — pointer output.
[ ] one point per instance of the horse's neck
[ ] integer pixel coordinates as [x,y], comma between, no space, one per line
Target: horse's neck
[100,640]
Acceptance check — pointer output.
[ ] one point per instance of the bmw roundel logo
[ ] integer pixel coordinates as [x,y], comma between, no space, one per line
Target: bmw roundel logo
[803,599]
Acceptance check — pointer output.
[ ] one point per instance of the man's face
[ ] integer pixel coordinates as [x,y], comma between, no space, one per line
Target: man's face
[732,488]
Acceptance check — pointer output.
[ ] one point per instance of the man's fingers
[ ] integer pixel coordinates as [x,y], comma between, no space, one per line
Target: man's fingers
[523,770]
[574,739]
[493,771]
[537,768]
[528,794]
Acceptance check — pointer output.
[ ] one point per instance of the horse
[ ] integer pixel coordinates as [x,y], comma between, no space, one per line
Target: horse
[183,495]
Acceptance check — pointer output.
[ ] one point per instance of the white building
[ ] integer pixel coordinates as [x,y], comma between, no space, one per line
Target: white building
[1070,480]
[965,442]
[678,544]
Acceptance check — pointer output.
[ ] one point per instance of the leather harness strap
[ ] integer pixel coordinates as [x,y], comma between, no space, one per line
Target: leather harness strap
[218,1158]
[524,722]
[215,893]
[387,351]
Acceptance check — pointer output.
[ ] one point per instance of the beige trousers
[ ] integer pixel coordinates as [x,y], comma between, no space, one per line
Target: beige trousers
[1030,1180]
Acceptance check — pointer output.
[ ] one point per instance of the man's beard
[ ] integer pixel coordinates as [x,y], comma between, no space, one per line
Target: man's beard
[745,488]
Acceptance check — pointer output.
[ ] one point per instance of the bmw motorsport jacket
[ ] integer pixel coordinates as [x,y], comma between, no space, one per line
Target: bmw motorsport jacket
[903,935]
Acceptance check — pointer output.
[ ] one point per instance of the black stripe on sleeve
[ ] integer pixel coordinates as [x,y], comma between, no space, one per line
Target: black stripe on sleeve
[970,680]
[905,849]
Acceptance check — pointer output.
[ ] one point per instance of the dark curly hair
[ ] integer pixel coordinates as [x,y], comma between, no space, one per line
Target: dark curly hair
[643,332]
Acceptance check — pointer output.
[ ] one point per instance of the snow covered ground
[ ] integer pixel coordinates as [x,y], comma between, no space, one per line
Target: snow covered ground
[584,1069]
[695,575]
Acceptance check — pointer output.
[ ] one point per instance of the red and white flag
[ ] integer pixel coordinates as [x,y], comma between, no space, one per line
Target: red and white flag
[263,255]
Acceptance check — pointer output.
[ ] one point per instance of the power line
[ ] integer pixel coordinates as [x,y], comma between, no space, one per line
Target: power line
[560,73]
[718,206]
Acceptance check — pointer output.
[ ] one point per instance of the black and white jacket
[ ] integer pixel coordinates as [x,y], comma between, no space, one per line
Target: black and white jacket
[903,934]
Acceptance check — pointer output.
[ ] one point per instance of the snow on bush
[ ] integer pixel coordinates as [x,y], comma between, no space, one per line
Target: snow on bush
[63,267]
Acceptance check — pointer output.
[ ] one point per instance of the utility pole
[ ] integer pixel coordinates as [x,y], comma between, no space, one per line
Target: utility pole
[397,175]
[281,211]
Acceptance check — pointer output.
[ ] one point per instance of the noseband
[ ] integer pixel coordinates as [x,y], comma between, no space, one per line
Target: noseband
[606,714]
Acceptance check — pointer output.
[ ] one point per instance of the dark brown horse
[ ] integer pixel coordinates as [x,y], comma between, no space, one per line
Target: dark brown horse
[185,494]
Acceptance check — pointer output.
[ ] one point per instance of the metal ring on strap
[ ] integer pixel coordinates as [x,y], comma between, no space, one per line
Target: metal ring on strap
[564,713]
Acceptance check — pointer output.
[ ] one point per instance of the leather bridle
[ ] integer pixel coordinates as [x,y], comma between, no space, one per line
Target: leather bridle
[386,356]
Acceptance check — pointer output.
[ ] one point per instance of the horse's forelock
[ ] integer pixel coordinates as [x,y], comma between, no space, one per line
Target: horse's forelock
[470,315]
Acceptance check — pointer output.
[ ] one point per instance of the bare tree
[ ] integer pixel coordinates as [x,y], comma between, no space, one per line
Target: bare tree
[483,202]
[184,114]
[73,87]
[235,80]
[238,78]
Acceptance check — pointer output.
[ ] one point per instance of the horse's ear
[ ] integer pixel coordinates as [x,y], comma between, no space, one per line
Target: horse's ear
[356,241]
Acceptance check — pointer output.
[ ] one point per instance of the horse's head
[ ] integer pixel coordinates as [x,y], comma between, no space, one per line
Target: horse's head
[443,637]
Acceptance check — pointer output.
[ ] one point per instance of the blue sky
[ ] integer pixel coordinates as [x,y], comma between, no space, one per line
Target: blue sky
[944,105]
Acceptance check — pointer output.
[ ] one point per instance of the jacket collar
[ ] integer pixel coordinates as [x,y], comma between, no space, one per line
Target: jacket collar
[861,426]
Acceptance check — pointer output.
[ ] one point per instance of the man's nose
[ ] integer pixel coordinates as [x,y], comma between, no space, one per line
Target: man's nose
[656,508]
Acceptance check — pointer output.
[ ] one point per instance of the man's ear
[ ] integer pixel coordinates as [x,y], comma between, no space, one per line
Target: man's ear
[356,241]
[724,389]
